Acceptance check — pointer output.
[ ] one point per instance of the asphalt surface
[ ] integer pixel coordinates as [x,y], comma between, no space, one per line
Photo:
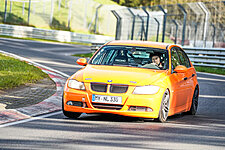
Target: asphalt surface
[205,130]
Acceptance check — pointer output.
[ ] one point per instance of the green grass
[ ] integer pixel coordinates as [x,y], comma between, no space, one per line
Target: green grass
[14,73]
[87,55]
[166,39]
[82,14]
[106,2]
[210,70]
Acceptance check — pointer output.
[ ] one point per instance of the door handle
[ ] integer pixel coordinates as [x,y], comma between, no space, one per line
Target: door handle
[185,78]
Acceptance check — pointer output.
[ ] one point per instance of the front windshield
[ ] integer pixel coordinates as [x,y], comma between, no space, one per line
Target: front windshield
[141,57]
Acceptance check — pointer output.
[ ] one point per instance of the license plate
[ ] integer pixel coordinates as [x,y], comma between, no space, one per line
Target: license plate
[107,99]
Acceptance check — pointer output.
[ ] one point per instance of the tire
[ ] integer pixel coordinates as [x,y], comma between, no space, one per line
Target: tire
[69,114]
[194,104]
[164,108]
[73,115]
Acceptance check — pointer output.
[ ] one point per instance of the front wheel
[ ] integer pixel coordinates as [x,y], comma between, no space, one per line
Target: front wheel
[164,109]
[68,113]
[194,104]
[71,114]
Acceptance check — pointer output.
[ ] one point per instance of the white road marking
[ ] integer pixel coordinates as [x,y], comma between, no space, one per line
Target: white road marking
[210,79]
[30,119]
[57,63]
[218,75]
[211,96]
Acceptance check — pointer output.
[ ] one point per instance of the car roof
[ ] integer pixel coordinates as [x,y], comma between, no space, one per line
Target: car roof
[139,43]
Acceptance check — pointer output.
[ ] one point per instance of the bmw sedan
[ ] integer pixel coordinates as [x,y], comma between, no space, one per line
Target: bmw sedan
[133,78]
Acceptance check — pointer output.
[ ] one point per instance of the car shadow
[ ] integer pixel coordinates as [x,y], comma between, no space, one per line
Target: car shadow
[119,118]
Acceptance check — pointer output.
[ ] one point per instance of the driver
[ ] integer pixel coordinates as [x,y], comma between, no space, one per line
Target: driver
[156,61]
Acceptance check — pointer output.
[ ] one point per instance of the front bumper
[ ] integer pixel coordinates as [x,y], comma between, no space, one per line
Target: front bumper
[129,100]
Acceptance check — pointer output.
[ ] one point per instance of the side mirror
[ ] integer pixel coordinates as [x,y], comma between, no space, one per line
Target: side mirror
[180,69]
[82,61]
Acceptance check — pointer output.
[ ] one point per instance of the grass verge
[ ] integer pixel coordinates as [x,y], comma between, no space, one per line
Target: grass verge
[14,73]
[87,55]
[210,70]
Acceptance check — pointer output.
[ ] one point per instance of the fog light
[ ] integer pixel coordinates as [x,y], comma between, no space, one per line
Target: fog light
[132,108]
[138,108]
[69,103]
[149,109]
[141,109]
[75,103]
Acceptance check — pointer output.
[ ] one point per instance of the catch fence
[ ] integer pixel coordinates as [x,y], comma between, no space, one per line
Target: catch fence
[199,24]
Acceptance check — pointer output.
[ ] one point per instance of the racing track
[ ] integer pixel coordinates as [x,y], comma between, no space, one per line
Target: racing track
[203,131]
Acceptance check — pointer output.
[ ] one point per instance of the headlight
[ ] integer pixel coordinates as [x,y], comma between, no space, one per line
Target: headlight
[150,89]
[74,84]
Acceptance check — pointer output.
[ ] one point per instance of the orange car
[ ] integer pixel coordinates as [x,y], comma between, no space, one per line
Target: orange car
[133,78]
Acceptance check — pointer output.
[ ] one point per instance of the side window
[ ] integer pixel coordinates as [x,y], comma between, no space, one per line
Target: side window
[183,58]
[174,59]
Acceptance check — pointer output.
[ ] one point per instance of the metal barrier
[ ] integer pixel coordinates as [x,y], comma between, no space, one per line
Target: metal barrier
[208,57]
[205,57]
[62,36]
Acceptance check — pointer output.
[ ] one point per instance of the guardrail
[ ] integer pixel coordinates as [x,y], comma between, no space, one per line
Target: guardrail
[205,57]
[62,36]
[208,57]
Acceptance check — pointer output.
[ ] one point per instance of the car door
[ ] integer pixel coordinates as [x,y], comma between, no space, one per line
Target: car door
[188,76]
[179,81]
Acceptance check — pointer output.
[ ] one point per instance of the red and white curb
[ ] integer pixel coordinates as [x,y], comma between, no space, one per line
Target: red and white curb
[51,104]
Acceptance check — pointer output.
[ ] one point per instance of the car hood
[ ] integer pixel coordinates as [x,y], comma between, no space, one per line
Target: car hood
[119,75]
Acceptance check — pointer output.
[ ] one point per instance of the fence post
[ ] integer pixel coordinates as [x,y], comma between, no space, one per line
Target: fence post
[28,20]
[142,26]
[96,17]
[157,35]
[85,14]
[206,21]
[164,22]
[10,8]
[52,11]
[23,7]
[44,5]
[69,16]
[34,7]
[184,23]
[214,33]
[196,27]
[221,33]
[118,21]
[5,15]
[147,24]
[59,5]
[174,21]
[133,25]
